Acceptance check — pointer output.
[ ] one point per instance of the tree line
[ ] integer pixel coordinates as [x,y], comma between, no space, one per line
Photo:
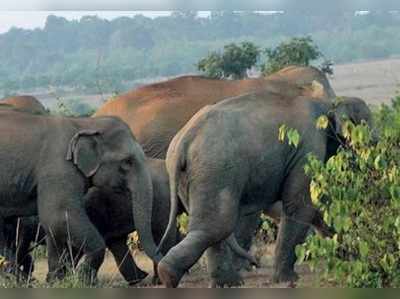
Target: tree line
[93,53]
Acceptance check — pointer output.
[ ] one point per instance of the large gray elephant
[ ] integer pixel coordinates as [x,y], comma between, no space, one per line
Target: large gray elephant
[48,164]
[228,158]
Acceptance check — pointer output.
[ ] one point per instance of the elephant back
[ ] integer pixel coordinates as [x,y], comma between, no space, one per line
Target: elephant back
[25,104]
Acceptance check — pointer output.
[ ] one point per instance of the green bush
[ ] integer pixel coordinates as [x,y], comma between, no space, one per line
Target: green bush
[295,51]
[268,231]
[232,63]
[358,191]
[73,107]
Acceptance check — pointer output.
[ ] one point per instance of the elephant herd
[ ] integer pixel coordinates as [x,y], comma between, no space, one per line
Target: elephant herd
[209,148]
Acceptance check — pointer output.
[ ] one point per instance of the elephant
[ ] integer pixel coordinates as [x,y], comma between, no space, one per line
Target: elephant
[228,158]
[24,103]
[48,165]
[156,112]
[112,216]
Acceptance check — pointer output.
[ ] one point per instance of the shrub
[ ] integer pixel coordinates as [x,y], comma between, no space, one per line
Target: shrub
[73,107]
[233,62]
[296,51]
[358,191]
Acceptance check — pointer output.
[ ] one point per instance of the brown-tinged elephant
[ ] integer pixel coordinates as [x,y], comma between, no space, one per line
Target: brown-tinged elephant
[156,112]
[112,216]
[228,158]
[49,163]
[24,104]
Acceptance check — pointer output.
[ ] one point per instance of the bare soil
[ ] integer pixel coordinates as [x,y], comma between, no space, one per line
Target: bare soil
[109,275]
[374,81]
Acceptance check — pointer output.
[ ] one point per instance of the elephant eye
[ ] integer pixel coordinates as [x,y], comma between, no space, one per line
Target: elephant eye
[127,163]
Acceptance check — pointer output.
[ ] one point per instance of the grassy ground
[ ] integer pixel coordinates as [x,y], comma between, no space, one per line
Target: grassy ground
[197,278]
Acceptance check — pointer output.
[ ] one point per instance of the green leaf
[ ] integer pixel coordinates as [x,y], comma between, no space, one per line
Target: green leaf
[322,122]
[300,253]
[315,192]
[364,249]
[282,133]
[379,163]
[395,192]
[293,137]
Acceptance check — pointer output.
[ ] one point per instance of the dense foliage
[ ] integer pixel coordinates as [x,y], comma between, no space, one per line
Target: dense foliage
[94,54]
[296,51]
[358,191]
[233,62]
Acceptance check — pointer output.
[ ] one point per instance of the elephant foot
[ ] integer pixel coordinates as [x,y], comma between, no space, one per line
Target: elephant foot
[285,276]
[231,280]
[168,276]
[242,264]
[52,277]
[87,275]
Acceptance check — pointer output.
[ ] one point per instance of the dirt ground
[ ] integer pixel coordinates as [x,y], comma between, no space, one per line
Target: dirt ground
[109,275]
[374,81]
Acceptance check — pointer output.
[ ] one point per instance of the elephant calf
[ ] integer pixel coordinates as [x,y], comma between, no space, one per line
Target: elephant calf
[112,216]
[49,163]
[228,157]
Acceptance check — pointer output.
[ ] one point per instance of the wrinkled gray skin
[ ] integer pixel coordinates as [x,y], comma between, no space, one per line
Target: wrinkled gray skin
[112,216]
[48,164]
[228,158]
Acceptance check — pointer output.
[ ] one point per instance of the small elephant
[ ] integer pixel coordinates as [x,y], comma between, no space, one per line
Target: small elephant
[228,158]
[112,216]
[48,165]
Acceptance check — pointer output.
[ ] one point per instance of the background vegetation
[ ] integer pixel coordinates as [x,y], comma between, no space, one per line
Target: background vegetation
[94,54]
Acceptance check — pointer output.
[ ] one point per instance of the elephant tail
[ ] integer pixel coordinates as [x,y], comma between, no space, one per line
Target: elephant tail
[173,182]
[236,248]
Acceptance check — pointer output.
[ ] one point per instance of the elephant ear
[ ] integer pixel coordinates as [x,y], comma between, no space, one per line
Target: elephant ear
[84,151]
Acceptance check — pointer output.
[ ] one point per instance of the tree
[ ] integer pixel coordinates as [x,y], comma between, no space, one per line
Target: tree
[296,51]
[232,63]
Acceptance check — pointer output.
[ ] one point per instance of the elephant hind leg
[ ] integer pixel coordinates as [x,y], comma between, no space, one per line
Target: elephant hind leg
[208,225]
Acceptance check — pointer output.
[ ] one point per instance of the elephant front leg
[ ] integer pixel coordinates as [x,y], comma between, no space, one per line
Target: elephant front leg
[297,218]
[67,225]
[221,268]
[291,233]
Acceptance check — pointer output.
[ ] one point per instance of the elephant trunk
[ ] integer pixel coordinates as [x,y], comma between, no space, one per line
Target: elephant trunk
[142,202]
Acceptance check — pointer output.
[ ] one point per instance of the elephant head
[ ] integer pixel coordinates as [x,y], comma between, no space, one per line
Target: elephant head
[346,108]
[107,155]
